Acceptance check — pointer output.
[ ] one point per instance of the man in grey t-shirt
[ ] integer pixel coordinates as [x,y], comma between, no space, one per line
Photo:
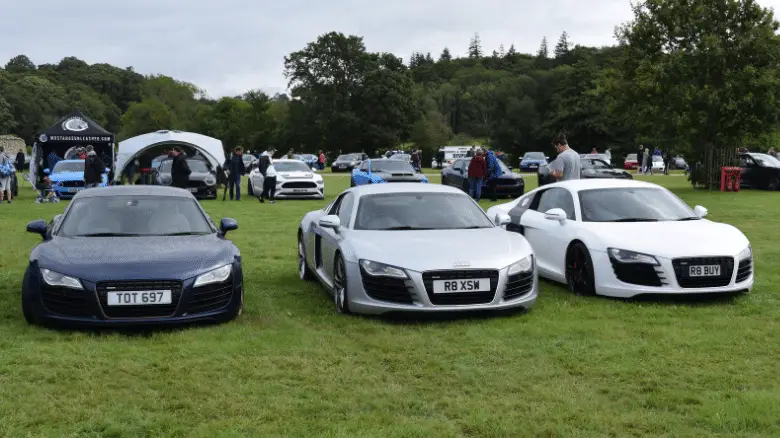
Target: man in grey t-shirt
[567,165]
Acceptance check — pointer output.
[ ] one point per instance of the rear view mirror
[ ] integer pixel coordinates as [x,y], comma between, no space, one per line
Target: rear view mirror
[502,219]
[331,221]
[38,227]
[555,214]
[227,224]
[700,211]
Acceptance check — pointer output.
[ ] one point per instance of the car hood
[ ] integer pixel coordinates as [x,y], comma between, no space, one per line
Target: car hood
[531,161]
[297,175]
[134,258]
[440,249]
[672,239]
[66,176]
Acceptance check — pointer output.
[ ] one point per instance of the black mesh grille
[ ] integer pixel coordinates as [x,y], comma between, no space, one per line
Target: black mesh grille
[460,298]
[68,302]
[196,184]
[143,311]
[299,185]
[393,290]
[518,285]
[72,183]
[210,297]
[642,274]
[744,270]
[681,271]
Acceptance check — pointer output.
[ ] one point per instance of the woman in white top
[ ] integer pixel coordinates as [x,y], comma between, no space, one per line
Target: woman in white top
[269,183]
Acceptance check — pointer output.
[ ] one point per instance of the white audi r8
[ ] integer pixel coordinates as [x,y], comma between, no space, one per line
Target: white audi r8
[294,179]
[624,238]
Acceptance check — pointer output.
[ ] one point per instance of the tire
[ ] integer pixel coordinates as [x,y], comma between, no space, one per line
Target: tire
[579,270]
[304,273]
[249,189]
[29,305]
[340,296]
[773,184]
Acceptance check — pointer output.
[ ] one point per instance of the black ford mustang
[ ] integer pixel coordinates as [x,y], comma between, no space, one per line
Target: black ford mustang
[509,184]
[591,168]
[760,171]
[132,256]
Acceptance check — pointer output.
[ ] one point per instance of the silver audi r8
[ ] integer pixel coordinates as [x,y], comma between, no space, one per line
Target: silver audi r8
[408,247]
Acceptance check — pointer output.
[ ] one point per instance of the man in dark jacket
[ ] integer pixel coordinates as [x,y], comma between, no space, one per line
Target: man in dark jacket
[477,175]
[180,170]
[93,168]
[19,161]
[236,167]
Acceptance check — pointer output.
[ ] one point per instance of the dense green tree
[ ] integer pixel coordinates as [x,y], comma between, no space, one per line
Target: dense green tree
[475,47]
[20,64]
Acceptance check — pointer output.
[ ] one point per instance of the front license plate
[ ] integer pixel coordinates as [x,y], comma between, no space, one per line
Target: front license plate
[139,298]
[74,190]
[194,189]
[456,286]
[300,190]
[342,167]
[704,271]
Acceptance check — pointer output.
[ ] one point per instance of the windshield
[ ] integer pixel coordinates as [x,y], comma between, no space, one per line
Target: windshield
[71,166]
[291,166]
[631,157]
[401,157]
[134,216]
[765,160]
[419,211]
[391,166]
[353,157]
[658,158]
[197,166]
[624,204]
[594,164]
[247,158]
[534,156]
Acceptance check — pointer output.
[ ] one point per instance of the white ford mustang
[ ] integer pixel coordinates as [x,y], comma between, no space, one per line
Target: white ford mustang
[294,179]
[624,238]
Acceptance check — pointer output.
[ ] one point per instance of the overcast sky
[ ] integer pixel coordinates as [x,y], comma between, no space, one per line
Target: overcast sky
[230,46]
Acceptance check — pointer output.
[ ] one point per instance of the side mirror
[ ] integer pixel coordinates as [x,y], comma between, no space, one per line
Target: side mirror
[46,171]
[700,211]
[227,224]
[330,221]
[502,219]
[38,227]
[547,158]
[555,214]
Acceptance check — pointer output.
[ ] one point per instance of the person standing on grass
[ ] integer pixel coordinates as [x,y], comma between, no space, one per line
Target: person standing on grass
[266,167]
[567,165]
[93,168]
[494,173]
[667,162]
[6,171]
[19,161]
[477,175]
[236,167]
[321,160]
[180,169]
[640,168]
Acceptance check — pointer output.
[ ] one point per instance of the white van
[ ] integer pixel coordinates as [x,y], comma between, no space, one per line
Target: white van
[451,153]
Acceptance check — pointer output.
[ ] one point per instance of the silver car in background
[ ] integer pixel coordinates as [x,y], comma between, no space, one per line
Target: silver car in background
[409,247]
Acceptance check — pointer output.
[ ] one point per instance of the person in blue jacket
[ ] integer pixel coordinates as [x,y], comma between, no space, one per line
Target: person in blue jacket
[494,172]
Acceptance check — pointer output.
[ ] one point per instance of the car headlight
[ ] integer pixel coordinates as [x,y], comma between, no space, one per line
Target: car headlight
[524,265]
[746,253]
[60,280]
[320,181]
[210,180]
[377,269]
[214,276]
[624,256]
[354,163]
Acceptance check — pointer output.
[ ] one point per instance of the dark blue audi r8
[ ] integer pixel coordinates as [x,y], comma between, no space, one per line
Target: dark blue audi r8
[132,256]
[385,170]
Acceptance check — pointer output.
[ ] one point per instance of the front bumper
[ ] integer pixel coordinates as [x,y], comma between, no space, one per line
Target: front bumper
[608,283]
[336,168]
[85,308]
[363,301]
[530,167]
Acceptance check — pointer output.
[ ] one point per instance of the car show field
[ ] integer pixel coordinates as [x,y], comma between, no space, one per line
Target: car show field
[290,365]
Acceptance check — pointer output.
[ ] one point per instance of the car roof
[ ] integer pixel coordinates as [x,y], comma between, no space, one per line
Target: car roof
[577,185]
[137,190]
[287,160]
[374,189]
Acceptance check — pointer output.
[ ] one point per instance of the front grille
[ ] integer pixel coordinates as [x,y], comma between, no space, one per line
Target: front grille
[681,267]
[299,185]
[402,174]
[518,285]
[67,302]
[392,290]
[195,184]
[461,298]
[507,182]
[72,183]
[143,311]
[744,270]
[210,297]
[642,274]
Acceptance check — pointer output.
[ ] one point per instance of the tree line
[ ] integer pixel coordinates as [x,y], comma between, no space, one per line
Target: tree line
[699,77]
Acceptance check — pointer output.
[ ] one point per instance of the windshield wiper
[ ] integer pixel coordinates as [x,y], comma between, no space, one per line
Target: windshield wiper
[472,227]
[692,218]
[109,235]
[635,219]
[404,228]
[187,233]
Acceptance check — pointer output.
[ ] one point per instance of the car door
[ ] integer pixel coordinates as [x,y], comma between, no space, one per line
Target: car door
[331,239]
[549,238]
[750,173]
[456,178]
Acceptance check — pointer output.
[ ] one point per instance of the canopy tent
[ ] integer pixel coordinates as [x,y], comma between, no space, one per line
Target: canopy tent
[72,131]
[130,149]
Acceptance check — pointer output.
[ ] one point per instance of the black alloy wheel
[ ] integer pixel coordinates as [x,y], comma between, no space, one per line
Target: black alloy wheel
[340,297]
[579,270]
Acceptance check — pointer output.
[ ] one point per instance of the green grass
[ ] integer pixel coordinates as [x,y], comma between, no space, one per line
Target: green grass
[289,366]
